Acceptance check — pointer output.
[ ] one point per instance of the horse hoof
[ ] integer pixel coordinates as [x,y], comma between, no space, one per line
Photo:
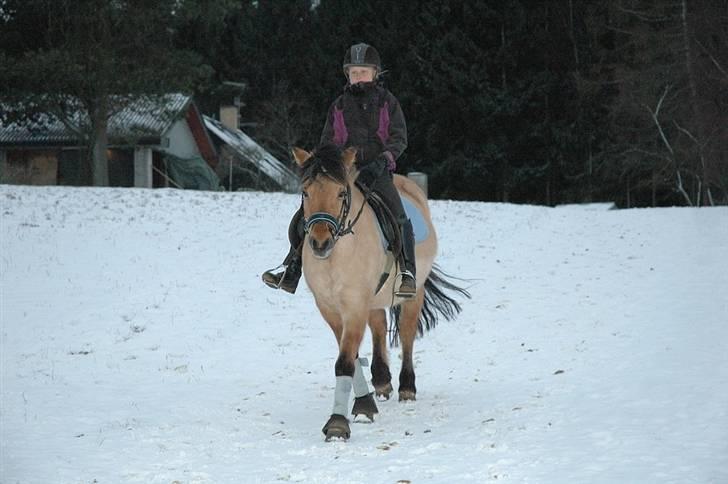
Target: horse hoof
[337,428]
[405,395]
[365,406]
[384,392]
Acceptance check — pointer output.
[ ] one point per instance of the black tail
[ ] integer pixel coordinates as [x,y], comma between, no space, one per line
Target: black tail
[437,303]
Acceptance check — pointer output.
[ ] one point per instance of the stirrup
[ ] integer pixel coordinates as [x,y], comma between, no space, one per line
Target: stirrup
[273,279]
[286,280]
[406,291]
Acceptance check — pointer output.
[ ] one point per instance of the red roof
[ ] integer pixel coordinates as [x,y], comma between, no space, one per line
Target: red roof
[204,144]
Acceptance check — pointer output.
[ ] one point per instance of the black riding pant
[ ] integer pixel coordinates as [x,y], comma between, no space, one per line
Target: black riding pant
[296,229]
[384,186]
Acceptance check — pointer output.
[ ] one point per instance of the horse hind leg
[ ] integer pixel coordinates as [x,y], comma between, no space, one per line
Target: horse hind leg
[381,377]
[409,317]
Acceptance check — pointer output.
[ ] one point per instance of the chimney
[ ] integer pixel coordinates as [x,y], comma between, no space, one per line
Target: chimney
[229,117]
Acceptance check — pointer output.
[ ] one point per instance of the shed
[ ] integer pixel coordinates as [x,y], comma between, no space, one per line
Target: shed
[153,142]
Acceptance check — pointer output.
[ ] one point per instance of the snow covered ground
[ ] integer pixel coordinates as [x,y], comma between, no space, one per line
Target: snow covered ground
[139,345]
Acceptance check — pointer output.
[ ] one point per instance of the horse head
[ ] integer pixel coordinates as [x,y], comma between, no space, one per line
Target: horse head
[326,176]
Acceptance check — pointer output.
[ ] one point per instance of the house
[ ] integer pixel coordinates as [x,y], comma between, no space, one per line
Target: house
[244,163]
[154,142]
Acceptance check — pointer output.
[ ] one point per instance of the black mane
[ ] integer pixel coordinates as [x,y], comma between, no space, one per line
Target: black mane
[325,160]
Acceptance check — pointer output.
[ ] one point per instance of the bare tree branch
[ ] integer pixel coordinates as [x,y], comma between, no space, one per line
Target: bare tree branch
[688,133]
[712,58]
[682,190]
[655,115]
[644,16]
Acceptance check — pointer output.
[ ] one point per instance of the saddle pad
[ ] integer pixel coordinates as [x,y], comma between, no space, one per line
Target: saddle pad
[419,227]
[418,220]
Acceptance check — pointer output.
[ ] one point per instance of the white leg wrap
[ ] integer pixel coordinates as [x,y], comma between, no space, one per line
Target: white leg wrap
[341,395]
[361,387]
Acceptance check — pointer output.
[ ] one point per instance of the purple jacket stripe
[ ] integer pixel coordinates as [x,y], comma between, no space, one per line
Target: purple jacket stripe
[383,131]
[340,132]
[391,164]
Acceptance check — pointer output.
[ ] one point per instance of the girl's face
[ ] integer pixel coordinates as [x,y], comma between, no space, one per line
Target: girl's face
[361,74]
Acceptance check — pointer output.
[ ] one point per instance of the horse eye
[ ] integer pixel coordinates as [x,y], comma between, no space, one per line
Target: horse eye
[305,194]
[342,194]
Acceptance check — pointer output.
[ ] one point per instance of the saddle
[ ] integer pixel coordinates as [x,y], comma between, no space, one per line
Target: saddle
[387,222]
[389,230]
[392,238]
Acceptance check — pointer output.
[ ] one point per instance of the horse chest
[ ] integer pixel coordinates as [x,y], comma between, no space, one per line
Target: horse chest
[344,275]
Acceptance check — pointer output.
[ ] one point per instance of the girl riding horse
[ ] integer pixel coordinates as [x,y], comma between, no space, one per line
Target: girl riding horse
[345,261]
[368,117]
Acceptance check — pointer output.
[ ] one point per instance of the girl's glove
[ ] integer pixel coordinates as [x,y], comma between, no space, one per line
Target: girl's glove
[370,172]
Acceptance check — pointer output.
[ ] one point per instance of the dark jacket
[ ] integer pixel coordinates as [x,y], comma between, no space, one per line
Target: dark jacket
[368,117]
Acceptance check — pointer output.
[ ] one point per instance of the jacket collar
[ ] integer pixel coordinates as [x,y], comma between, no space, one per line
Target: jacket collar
[362,88]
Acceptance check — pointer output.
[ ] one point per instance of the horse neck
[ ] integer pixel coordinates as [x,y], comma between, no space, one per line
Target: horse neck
[357,199]
[365,226]
[355,253]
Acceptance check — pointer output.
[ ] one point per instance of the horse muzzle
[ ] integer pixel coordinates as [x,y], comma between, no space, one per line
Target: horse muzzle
[321,249]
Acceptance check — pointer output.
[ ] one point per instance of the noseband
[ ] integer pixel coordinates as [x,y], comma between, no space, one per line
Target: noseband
[337,225]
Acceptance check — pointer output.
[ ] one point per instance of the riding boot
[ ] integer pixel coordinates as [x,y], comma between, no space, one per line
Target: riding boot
[408,283]
[287,279]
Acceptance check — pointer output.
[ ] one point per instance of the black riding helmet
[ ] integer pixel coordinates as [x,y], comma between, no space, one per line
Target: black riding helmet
[362,55]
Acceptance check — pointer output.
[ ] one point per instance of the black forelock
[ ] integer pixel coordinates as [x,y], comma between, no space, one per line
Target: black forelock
[325,160]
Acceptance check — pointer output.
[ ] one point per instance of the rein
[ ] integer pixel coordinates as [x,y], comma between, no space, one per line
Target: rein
[337,225]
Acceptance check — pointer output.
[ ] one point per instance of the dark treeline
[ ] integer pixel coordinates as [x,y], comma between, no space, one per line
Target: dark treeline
[526,101]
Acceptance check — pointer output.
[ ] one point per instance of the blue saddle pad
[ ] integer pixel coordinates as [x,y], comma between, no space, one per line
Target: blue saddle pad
[418,222]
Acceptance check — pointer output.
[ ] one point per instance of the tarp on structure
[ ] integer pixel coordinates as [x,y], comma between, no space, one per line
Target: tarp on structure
[192,173]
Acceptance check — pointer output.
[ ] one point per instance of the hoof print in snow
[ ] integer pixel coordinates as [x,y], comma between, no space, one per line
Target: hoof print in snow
[81,352]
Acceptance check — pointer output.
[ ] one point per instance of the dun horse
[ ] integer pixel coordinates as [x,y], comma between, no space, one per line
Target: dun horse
[344,262]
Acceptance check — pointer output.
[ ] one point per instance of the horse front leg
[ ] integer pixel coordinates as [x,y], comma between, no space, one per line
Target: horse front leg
[407,331]
[353,332]
[364,403]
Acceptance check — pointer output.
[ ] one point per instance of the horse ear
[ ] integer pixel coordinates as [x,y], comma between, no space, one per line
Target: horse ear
[301,156]
[348,157]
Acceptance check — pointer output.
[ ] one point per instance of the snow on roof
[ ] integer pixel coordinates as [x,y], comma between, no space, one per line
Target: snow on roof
[256,154]
[144,117]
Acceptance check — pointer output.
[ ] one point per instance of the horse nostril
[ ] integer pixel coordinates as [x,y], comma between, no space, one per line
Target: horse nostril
[322,246]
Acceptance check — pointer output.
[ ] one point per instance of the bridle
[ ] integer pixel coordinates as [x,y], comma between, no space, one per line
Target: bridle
[337,225]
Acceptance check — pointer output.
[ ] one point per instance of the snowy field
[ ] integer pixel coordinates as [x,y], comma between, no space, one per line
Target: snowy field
[139,346]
